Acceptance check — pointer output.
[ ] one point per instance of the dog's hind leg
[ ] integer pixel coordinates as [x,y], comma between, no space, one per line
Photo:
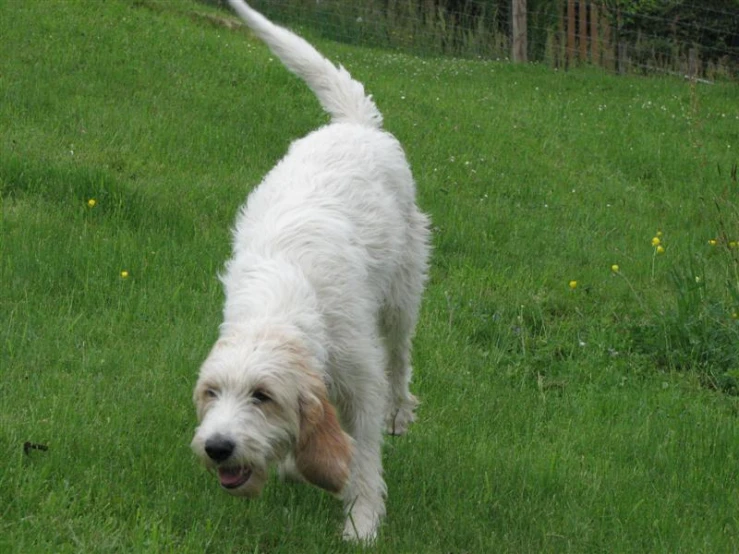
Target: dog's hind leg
[400,403]
[399,318]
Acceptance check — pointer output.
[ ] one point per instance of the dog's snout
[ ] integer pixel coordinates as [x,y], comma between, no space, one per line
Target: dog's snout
[219,448]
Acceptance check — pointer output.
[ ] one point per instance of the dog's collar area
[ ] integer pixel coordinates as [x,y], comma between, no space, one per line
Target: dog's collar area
[233,477]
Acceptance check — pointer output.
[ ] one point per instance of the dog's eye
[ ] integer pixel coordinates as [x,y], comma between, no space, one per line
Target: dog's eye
[211,393]
[260,396]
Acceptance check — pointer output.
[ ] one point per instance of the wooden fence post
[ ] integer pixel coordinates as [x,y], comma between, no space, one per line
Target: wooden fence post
[518,9]
[582,12]
[594,42]
[561,42]
[570,31]
[693,64]
[609,53]
[623,57]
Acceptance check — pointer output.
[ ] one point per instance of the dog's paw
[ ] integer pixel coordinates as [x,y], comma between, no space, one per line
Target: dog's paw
[361,527]
[400,417]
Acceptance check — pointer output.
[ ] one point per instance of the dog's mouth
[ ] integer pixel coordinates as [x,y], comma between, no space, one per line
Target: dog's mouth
[233,477]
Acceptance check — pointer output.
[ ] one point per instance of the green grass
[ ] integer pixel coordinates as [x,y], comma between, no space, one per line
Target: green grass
[599,419]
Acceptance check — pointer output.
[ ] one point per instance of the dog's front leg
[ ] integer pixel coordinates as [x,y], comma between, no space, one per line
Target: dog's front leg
[364,495]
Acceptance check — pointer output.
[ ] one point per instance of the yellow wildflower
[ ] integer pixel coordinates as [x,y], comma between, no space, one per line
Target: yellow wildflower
[614,268]
[660,249]
[124,274]
[573,285]
[712,242]
[656,241]
[91,203]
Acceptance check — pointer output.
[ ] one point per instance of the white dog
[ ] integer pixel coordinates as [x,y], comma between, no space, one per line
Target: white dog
[322,295]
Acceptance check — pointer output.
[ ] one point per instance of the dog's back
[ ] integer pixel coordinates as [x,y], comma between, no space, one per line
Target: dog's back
[340,199]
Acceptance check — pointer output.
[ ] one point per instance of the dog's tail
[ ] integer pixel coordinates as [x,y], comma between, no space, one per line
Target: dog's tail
[340,95]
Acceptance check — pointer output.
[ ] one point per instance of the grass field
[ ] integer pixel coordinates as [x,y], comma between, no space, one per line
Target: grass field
[568,405]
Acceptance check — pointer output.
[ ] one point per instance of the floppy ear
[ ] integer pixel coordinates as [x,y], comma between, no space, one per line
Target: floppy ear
[323,453]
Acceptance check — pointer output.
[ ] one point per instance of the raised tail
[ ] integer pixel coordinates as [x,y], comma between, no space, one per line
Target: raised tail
[340,95]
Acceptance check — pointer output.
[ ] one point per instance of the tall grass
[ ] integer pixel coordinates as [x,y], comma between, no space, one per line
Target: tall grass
[594,418]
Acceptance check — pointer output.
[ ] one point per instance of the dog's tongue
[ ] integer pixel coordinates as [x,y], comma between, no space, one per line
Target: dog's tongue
[231,477]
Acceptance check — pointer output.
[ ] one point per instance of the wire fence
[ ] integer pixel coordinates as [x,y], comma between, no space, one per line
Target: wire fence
[694,38]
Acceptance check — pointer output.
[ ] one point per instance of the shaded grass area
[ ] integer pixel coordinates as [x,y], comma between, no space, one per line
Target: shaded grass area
[553,419]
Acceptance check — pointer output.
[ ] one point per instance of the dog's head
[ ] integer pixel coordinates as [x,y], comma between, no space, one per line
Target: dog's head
[258,399]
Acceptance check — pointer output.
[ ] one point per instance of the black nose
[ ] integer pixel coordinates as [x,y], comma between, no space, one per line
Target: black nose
[219,448]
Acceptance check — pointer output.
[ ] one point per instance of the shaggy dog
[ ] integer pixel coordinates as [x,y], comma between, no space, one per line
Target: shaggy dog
[322,296]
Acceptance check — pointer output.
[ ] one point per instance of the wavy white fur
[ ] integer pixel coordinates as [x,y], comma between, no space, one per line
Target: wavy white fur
[323,288]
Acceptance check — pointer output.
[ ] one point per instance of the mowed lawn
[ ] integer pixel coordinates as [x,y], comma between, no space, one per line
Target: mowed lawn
[578,351]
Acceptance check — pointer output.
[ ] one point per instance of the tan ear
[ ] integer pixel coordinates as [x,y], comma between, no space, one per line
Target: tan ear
[324,452]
